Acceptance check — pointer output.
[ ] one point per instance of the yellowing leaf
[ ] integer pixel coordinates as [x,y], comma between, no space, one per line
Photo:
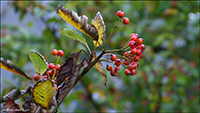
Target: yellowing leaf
[100,26]
[98,66]
[9,66]
[96,31]
[43,93]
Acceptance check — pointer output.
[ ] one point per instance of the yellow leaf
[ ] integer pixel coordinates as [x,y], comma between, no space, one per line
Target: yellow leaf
[43,93]
[98,66]
[96,31]
[9,66]
[100,26]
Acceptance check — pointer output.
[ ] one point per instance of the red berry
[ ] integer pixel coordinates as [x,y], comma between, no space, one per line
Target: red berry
[113,57]
[130,67]
[132,34]
[117,68]
[136,58]
[60,53]
[58,67]
[54,52]
[135,66]
[132,44]
[109,67]
[134,62]
[133,72]
[127,72]
[126,54]
[139,52]
[125,20]
[112,72]
[36,77]
[126,62]
[45,77]
[140,41]
[120,13]
[133,51]
[51,66]
[50,73]
[134,38]
[118,62]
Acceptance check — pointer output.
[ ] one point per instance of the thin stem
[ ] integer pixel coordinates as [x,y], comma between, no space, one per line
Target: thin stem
[57,58]
[111,35]
[88,48]
[105,60]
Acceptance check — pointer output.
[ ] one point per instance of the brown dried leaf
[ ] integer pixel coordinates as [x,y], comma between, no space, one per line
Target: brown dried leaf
[12,107]
[68,85]
[14,94]
[67,68]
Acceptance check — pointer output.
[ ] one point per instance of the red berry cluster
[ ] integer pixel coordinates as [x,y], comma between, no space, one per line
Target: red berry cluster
[117,62]
[53,69]
[120,14]
[134,55]
[131,57]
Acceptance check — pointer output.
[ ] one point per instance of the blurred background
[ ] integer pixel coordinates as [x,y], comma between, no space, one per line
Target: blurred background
[166,81]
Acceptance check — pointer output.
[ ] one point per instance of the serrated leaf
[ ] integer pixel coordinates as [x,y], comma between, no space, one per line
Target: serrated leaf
[9,66]
[43,93]
[99,24]
[79,22]
[39,62]
[74,35]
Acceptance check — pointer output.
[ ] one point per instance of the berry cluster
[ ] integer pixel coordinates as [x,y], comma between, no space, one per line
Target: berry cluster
[53,69]
[130,58]
[120,14]
[117,62]
[134,55]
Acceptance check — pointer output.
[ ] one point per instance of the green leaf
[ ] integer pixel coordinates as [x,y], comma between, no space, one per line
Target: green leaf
[39,62]
[73,34]
[43,93]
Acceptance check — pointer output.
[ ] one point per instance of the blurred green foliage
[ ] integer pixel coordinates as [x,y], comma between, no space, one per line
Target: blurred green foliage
[167,79]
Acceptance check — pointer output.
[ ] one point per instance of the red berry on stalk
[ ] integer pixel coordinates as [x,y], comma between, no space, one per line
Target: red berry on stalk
[60,53]
[139,52]
[136,58]
[113,57]
[127,72]
[126,62]
[133,51]
[140,41]
[58,67]
[54,52]
[126,20]
[45,77]
[130,67]
[118,62]
[36,77]
[117,68]
[126,54]
[120,13]
[50,73]
[132,34]
[109,67]
[134,38]
[112,72]
[133,72]
[132,44]
[51,66]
